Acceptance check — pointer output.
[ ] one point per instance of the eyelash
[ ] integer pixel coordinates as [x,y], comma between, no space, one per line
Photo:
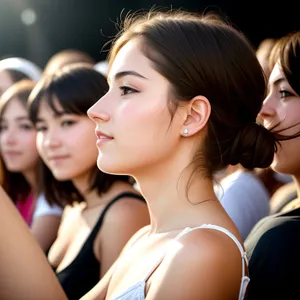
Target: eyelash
[41,128]
[66,123]
[285,94]
[127,90]
[25,127]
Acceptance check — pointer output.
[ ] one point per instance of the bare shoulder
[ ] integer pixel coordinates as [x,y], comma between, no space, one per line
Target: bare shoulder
[122,221]
[128,208]
[203,264]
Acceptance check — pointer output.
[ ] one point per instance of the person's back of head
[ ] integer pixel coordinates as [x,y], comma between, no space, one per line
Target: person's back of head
[66,57]
[14,69]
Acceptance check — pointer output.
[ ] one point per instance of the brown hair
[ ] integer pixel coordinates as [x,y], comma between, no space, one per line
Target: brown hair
[203,55]
[67,57]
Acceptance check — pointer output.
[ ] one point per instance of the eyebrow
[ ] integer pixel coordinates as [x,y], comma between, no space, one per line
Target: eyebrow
[18,118]
[126,73]
[56,115]
[278,81]
[275,83]
[22,118]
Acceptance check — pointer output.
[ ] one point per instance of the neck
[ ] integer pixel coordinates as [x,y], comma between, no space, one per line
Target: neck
[30,176]
[174,196]
[82,184]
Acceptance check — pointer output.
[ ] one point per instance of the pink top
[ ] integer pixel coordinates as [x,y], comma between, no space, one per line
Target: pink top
[26,208]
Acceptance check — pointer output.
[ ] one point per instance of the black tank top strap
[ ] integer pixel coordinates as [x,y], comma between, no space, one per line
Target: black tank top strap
[109,204]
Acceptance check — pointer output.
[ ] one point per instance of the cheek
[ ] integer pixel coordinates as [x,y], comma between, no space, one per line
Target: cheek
[31,140]
[85,143]
[291,118]
[2,137]
[40,144]
[143,120]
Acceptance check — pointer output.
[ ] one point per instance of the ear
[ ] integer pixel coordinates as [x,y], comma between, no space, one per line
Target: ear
[198,112]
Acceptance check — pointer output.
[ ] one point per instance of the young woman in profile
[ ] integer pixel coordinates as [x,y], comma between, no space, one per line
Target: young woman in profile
[184,94]
[102,211]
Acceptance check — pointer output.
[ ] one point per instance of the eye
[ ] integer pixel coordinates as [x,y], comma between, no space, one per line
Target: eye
[3,127]
[41,128]
[26,127]
[285,94]
[67,123]
[127,90]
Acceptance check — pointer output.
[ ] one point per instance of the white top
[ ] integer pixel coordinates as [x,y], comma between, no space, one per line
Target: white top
[43,208]
[137,291]
[245,199]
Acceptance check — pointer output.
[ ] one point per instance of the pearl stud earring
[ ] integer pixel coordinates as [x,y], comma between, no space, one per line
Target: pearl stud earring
[185,131]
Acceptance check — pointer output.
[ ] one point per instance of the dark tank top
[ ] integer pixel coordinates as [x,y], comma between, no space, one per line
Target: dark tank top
[83,273]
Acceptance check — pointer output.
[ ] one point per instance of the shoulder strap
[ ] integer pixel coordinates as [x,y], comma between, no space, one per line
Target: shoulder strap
[245,279]
[215,227]
[110,203]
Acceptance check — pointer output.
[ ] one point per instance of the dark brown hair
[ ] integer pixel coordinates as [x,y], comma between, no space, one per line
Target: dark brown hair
[203,55]
[14,183]
[76,87]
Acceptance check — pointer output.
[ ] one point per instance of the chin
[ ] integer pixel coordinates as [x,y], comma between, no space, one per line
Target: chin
[62,176]
[14,169]
[112,168]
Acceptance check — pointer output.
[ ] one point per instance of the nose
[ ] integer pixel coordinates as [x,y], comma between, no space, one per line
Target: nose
[51,139]
[9,136]
[268,109]
[97,113]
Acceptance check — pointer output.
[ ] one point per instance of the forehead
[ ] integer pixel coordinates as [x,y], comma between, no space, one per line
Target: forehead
[130,57]
[14,107]
[276,74]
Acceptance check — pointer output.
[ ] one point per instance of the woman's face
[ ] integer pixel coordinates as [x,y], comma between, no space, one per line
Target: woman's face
[66,142]
[17,138]
[5,81]
[136,133]
[283,105]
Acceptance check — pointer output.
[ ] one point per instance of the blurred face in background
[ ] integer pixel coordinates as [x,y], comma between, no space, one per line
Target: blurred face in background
[282,106]
[66,142]
[17,138]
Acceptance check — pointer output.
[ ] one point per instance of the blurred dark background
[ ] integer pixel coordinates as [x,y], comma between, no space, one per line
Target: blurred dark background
[37,29]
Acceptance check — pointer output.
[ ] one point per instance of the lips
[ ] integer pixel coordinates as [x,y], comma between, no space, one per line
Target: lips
[58,157]
[101,135]
[102,138]
[12,153]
